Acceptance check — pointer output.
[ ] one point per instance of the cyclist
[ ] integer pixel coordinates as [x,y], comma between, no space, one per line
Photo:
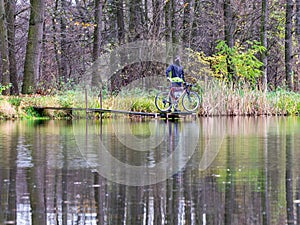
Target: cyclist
[175,74]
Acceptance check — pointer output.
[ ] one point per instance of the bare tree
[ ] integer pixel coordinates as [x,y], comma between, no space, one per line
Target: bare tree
[157,17]
[298,40]
[135,20]
[187,24]
[229,25]
[4,48]
[120,21]
[55,39]
[264,42]
[63,42]
[289,44]
[10,15]
[97,37]
[229,28]
[168,21]
[75,30]
[175,33]
[98,29]
[33,49]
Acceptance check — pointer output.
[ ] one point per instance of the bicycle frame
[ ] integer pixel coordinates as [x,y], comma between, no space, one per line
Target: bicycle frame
[184,89]
[189,99]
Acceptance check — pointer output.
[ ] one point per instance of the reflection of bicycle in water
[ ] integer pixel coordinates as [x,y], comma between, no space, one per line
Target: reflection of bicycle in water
[189,99]
[174,134]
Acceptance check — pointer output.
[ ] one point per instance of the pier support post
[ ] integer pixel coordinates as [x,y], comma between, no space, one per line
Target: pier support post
[86,103]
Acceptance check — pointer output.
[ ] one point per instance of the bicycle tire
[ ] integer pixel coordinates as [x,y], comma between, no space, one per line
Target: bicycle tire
[163,101]
[191,101]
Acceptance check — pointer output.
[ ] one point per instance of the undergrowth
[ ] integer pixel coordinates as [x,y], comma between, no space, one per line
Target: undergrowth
[218,100]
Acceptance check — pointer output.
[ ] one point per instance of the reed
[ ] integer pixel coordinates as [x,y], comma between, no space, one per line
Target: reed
[219,99]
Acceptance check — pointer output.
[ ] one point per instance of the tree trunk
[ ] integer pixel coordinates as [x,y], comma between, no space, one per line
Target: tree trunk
[229,27]
[11,9]
[156,18]
[298,40]
[229,24]
[289,45]
[168,21]
[134,19]
[264,42]
[145,14]
[63,43]
[33,48]
[97,38]
[195,25]
[4,48]
[55,40]
[173,22]
[120,21]
[187,18]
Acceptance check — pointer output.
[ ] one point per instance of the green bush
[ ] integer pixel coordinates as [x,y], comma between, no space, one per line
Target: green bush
[15,101]
[4,87]
[32,113]
[243,61]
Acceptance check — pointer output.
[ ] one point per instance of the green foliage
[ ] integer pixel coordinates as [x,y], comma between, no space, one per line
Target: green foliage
[15,101]
[135,99]
[285,102]
[277,16]
[32,113]
[197,65]
[67,100]
[4,87]
[143,105]
[243,61]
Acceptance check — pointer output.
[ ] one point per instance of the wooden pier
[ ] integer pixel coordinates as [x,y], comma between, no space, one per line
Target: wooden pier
[171,115]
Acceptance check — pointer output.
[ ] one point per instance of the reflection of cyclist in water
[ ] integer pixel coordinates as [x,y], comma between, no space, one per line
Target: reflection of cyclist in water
[175,74]
[174,134]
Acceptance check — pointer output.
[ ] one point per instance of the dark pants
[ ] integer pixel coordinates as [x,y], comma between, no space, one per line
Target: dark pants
[176,84]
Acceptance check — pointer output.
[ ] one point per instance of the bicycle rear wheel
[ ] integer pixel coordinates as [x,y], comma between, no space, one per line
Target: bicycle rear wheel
[163,101]
[191,101]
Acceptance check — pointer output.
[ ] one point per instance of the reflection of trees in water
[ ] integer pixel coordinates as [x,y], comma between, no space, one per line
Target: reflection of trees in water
[36,177]
[264,183]
[250,182]
[289,181]
[230,184]
[298,197]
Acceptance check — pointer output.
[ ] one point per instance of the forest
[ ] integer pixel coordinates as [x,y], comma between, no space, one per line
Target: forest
[47,45]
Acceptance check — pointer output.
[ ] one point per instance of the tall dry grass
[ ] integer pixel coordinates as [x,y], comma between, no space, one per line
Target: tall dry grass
[221,100]
[217,100]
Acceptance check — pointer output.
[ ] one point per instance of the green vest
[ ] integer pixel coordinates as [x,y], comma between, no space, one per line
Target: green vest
[176,79]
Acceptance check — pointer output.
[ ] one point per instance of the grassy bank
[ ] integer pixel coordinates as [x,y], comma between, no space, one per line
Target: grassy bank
[217,100]
[23,107]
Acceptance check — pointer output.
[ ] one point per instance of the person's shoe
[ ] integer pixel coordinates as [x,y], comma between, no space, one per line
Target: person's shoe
[177,110]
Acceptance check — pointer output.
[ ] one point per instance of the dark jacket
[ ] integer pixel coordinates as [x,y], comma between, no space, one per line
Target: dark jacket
[175,71]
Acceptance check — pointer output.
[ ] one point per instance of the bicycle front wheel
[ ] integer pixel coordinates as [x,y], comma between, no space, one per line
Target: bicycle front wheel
[163,101]
[191,101]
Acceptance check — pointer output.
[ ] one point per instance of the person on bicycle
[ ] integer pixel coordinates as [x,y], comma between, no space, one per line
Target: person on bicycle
[175,74]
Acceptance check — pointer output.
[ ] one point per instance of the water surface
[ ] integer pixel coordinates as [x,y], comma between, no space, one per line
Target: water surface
[242,171]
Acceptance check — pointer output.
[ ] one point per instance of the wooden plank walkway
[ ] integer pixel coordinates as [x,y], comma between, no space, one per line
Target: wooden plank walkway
[163,115]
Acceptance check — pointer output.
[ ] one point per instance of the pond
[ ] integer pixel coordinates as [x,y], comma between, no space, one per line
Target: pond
[222,170]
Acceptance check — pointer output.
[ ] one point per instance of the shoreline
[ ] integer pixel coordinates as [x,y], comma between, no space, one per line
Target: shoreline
[213,105]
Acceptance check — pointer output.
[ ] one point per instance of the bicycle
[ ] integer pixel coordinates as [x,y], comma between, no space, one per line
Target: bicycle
[190,100]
